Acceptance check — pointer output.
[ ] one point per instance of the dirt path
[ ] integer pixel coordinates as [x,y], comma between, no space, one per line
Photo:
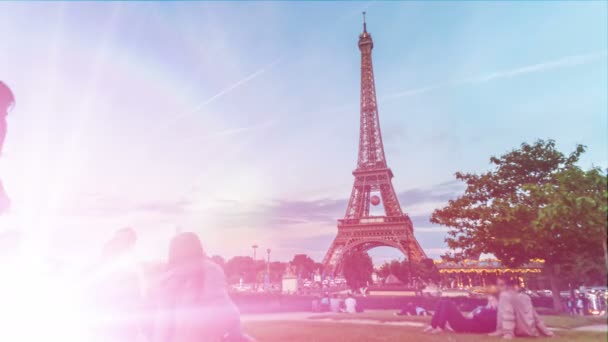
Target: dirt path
[593,328]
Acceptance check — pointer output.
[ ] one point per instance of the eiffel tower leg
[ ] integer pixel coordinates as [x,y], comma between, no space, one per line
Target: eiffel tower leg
[333,257]
[416,253]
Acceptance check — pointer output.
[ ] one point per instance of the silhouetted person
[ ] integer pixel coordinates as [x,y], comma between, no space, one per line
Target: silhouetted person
[118,289]
[7,101]
[194,303]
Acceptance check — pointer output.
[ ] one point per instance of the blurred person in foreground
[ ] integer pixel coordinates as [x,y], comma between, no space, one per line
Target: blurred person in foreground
[481,321]
[516,314]
[117,290]
[194,304]
[7,101]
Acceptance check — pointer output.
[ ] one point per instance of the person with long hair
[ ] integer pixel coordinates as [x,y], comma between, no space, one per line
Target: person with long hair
[7,101]
[516,314]
[194,304]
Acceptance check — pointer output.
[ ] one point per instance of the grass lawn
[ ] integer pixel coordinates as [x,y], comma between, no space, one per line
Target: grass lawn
[569,322]
[562,322]
[380,316]
[311,331]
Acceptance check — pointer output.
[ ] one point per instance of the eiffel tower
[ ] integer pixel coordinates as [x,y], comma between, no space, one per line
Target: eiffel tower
[360,229]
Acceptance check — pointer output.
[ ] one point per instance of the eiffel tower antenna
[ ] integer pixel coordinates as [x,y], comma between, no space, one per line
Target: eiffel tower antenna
[360,230]
[364,23]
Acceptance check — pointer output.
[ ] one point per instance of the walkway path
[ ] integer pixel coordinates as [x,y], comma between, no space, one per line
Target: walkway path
[594,328]
[304,316]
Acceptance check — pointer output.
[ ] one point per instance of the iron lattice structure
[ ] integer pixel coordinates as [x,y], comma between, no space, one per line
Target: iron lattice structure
[359,230]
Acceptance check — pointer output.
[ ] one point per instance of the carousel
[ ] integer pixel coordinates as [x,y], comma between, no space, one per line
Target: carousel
[481,273]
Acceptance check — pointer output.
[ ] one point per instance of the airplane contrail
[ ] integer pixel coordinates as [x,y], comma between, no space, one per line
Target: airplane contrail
[228,89]
[567,61]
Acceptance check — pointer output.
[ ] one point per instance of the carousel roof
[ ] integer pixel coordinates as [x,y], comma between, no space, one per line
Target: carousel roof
[486,265]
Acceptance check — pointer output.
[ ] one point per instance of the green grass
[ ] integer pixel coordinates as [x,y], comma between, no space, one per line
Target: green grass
[562,322]
[311,331]
[569,322]
[380,316]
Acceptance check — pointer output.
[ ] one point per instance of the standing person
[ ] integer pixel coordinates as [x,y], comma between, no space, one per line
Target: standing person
[334,303]
[585,304]
[7,101]
[194,304]
[481,321]
[117,290]
[316,304]
[350,304]
[325,302]
[580,305]
[570,306]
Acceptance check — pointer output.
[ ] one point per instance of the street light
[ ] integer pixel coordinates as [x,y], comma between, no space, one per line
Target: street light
[255,247]
[268,262]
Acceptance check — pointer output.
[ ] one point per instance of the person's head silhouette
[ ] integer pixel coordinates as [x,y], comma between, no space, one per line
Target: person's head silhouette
[7,99]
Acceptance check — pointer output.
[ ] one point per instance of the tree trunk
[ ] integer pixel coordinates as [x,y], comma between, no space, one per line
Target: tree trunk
[605,252]
[555,289]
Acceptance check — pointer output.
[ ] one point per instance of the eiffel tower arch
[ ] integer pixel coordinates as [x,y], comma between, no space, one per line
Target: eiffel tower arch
[361,228]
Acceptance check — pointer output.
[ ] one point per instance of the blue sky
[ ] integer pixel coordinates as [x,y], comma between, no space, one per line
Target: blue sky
[239,120]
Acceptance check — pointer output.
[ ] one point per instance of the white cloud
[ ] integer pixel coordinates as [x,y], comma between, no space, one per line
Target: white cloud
[430,229]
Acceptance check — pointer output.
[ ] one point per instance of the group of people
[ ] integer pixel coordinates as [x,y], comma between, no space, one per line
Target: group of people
[508,313]
[187,302]
[577,305]
[334,303]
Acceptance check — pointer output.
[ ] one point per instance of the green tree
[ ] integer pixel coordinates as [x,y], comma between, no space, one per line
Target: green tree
[304,265]
[218,260]
[277,269]
[425,269]
[573,213]
[399,269]
[243,267]
[357,268]
[510,211]
[576,201]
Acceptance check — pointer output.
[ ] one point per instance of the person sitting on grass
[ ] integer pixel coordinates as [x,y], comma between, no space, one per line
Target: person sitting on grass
[335,303]
[516,315]
[350,304]
[193,303]
[412,310]
[481,321]
[325,302]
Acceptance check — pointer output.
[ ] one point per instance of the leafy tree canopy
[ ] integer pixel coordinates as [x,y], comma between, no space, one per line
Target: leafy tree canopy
[535,203]
[357,267]
[305,266]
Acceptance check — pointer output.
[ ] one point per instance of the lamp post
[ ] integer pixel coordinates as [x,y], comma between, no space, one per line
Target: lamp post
[255,247]
[268,262]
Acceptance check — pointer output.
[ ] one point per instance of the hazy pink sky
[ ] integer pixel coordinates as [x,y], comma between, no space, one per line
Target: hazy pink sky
[239,120]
